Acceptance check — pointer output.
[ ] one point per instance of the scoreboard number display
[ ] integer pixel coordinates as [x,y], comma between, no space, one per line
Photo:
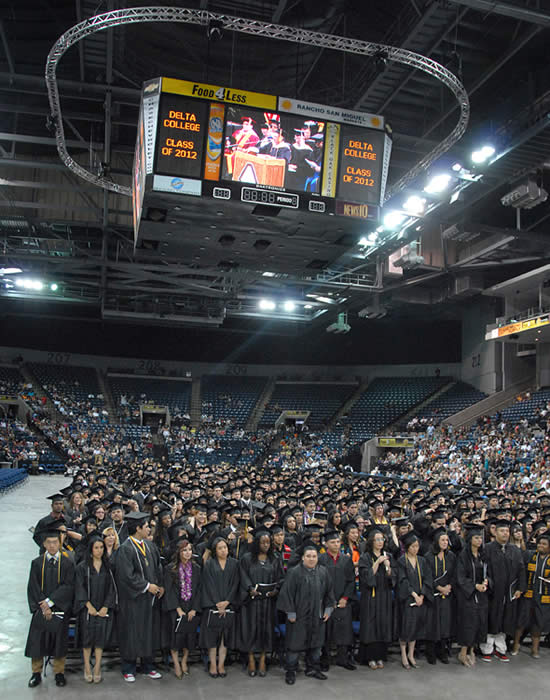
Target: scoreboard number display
[182,125]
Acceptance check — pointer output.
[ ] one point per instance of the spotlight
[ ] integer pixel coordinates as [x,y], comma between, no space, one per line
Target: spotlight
[393,219]
[266,305]
[37,285]
[54,287]
[308,306]
[438,183]
[289,306]
[415,205]
[481,155]
[457,167]
[373,236]
[10,270]
[364,241]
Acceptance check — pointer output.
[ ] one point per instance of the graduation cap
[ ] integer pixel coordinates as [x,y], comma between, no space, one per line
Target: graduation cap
[332,535]
[401,522]
[350,525]
[137,517]
[275,528]
[473,529]
[56,498]
[46,532]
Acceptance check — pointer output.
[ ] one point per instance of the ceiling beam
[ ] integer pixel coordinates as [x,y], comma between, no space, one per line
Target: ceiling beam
[524,14]
[6,46]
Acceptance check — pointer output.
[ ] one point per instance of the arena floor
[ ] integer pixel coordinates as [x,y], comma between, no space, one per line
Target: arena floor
[22,507]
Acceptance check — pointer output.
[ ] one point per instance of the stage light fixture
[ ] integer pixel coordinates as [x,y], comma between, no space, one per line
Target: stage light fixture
[438,183]
[393,219]
[415,205]
[289,306]
[266,305]
[483,154]
[54,287]
[10,270]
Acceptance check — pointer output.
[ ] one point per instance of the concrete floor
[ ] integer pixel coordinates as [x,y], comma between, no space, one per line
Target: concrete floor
[22,507]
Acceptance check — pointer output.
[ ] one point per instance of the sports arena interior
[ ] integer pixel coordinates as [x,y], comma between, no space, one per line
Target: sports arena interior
[159,315]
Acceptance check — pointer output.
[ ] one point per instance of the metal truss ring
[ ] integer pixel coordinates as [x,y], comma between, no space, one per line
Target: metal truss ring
[116,18]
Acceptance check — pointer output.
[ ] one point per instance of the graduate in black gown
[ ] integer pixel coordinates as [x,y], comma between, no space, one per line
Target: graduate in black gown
[507,582]
[440,611]
[50,594]
[472,584]
[181,603]
[307,599]
[377,579]
[414,587]
[534,610]
[139,580]
[95,601]
[341,571]
[261,575]
[219,603]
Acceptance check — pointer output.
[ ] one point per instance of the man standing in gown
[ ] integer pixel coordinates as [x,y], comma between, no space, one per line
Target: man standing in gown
[307,599]
[138,576]
[339,627]
[507,582]
[50,594]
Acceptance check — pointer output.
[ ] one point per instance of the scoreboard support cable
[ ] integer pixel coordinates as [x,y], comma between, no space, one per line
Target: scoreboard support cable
[110,20]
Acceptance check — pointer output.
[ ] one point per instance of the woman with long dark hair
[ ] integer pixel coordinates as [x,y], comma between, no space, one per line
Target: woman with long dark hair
[292,537]
[219,599]
[414,586]
[181,603]
[440,623]
[261,575]
[334,521]
[95,601]
[161,537]
[472,584]
[377,577]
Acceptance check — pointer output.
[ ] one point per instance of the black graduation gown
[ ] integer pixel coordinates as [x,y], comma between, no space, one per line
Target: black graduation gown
[342,578]
[135,618]
[99,589]
[186,636]
[307,593]
[534,605]
[376,605]
[440,611]
[471,606]
[506,575]
[411,619]
[257,615]
[57,584]
[121,531]
[219,584]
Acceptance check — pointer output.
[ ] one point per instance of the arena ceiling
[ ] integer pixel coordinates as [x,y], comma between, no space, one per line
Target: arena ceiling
[59,229]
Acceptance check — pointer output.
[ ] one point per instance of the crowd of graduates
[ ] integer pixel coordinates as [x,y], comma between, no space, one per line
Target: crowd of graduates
[162,561]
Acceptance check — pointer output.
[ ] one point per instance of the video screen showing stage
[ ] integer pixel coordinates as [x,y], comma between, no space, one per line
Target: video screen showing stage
[272,149]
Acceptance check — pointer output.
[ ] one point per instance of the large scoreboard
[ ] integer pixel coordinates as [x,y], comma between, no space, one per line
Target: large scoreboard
[207,141]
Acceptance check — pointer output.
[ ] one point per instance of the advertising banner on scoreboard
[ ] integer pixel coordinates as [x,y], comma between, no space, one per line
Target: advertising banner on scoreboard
[214,143]
[218,93]
[331,114]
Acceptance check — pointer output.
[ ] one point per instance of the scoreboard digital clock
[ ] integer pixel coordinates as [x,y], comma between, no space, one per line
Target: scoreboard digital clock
[199,140]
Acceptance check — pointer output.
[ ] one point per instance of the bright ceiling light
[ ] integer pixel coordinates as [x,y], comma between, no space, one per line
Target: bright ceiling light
[373,236]
[457,167]
[482,154]
[10,270]
[415,205]
[438,183]
[266,305]
[289,306]
[308,306]
[54,287]
[268,274]
[364,241]
[393,219]
[324,300]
